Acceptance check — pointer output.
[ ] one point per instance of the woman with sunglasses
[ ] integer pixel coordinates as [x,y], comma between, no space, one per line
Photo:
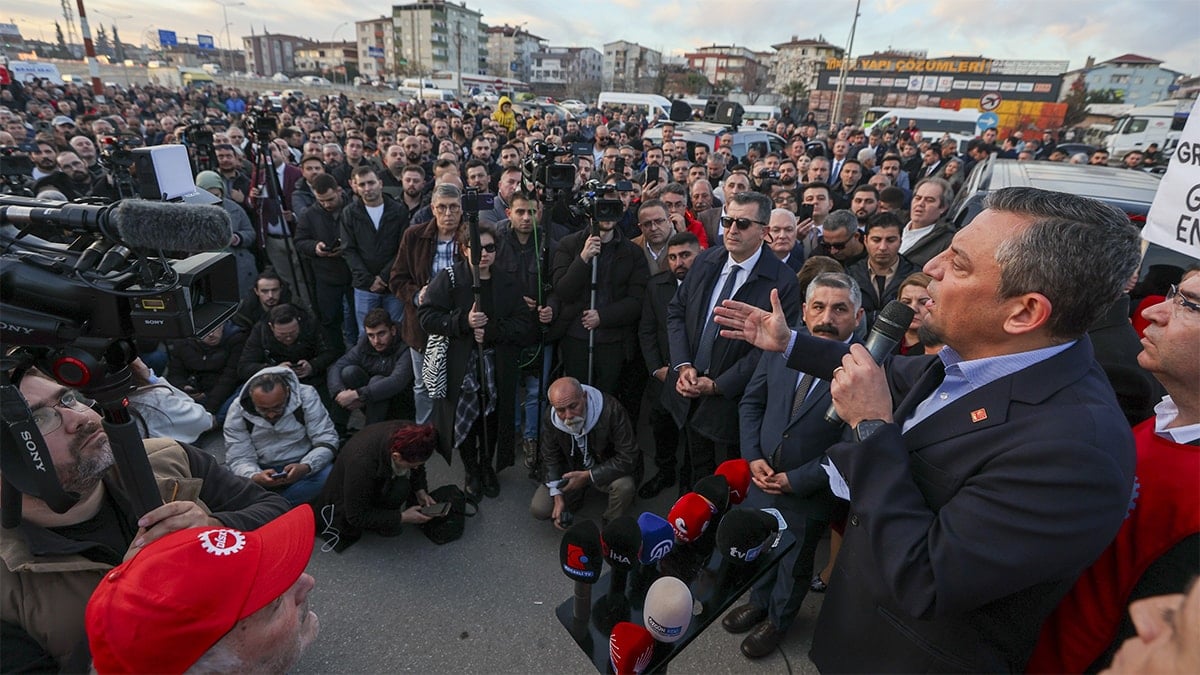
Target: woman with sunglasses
[502,323]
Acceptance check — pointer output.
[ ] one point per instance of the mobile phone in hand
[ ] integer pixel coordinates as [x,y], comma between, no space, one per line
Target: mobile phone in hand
[279,474]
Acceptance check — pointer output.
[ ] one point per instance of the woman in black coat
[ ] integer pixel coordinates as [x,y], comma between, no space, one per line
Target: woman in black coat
[377,483]
[503,324]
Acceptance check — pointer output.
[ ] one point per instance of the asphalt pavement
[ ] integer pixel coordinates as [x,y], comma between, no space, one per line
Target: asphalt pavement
[485,603]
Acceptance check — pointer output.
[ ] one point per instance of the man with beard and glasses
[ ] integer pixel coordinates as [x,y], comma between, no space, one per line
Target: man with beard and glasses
[53,561]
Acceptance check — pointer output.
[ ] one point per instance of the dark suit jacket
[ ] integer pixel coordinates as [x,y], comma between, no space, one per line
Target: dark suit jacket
[794,445]
[965,532]
[733,361]
[652,327]
[871,302]
[930,245]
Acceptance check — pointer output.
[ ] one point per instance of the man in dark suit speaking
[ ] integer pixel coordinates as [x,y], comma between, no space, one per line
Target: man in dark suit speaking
[784,436]
[708,373]
[982,480]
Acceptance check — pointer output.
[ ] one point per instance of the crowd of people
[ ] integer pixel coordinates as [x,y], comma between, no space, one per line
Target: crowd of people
[378,286]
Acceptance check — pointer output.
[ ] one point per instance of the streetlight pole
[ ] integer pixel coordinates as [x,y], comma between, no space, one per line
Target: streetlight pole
[333,46]
[225,5]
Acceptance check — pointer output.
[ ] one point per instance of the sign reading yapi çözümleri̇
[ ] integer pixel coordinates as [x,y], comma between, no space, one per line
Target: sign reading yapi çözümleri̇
[1174,218]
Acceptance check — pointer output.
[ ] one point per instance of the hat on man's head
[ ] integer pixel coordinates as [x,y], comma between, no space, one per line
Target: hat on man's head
[162,610]
[207,180]
[62,119]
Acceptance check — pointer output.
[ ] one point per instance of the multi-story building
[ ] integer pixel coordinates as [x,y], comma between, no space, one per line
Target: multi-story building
[629,66]
[331,59]
[439,36]
[272,53]
[567,72]
[1138,80]
[800,61]
[510,50]
[376,43]
[728,67]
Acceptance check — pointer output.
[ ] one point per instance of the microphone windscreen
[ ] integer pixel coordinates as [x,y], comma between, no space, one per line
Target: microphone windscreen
[744,533]
[893,320]
[622,541]
[630,648]
[668,609]
[580,552]
[737,474]
[657,538]
[690,515]
[715,489]
[171,226]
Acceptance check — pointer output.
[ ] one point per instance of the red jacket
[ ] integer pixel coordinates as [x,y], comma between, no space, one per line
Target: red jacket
[1164,509]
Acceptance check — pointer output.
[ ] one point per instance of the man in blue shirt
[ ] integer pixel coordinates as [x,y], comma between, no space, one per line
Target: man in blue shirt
[982,480]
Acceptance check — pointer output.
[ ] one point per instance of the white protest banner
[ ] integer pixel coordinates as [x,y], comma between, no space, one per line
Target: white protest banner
[25,71]
[1174,219]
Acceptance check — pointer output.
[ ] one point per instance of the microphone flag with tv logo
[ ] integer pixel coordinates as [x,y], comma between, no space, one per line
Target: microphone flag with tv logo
[689,517]
[668,609]
[622,541]
[744,534]
[657,538]
[580,552]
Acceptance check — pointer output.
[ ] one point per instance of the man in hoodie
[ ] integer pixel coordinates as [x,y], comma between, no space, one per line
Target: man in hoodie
[279,435]
[504,115]
[587,440]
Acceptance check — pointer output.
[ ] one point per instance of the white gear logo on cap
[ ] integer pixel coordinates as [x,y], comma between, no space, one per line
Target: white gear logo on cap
[222,542]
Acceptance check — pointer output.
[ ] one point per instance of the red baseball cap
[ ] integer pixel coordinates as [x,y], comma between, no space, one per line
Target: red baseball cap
[163,609]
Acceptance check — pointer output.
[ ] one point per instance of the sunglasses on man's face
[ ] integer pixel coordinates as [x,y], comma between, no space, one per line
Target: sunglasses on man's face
[741,223]
[832,246]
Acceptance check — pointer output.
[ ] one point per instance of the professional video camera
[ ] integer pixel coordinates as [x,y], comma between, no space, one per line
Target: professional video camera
[74,312]
[541,169]
[593,203]
[15,171]
[262,122]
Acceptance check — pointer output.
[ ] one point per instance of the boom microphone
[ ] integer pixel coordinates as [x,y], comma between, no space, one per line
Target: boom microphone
[884,336]
[171,226]
[137,223]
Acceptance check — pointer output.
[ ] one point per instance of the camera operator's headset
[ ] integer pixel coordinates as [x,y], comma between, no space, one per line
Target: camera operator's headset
[25,462]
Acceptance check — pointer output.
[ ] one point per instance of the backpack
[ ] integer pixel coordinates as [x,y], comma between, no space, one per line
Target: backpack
[449,527]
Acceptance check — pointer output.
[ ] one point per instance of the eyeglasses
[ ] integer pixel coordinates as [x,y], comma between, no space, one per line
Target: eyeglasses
[447,208]
[652,223]
[1174,296]
[742,223]
[831,245]
[48,419]
[488,248]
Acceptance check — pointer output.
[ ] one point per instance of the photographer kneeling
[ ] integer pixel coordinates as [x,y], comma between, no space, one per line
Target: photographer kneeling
[377,484]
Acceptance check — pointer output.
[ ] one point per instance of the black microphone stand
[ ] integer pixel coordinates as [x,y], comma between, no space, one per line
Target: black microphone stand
[472,209]
[264,165]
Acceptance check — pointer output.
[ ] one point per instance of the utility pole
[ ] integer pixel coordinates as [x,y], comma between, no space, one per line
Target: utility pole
[458,48]
[841,88]
[69,15]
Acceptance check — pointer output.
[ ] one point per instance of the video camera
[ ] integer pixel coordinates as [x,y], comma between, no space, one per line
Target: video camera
[543,171]
[263,123]
[75,310]
[15,171]
[593,202]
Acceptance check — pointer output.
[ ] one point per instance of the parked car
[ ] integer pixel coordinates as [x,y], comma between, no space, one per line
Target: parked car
[280,77]
[707,133]
[315,80]
[1129,190]
[574,106]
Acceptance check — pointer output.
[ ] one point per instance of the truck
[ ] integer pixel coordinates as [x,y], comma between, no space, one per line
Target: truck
[168,76]
[1160,123]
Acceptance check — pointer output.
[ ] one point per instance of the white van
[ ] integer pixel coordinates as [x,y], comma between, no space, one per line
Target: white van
[933,122]
[1160,123]
[652,106]
[759,114]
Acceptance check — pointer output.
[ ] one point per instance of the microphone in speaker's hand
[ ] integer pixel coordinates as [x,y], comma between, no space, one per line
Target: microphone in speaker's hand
[887,332]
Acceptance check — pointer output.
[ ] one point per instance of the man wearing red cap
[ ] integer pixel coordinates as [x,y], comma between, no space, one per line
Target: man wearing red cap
[241,607]
[53,561]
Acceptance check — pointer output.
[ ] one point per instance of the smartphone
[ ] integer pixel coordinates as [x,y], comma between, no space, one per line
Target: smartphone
[279,474]
[436,510]
[619,166]
[806,212]
[651,174]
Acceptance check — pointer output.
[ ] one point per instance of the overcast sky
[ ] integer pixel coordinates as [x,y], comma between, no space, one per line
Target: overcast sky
[1010,29]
